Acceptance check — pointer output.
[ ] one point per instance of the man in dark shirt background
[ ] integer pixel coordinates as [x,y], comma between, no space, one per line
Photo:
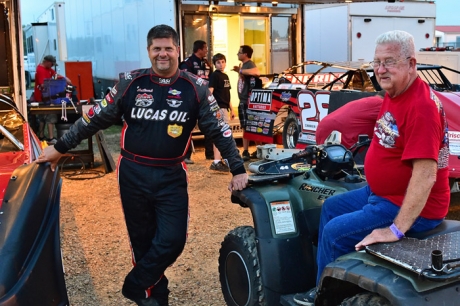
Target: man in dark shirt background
[199,66]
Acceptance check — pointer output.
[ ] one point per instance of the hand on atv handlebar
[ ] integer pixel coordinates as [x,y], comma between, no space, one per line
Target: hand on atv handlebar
[377,235]
[238,182]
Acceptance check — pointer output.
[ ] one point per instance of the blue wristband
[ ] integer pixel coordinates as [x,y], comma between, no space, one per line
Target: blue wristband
[395,230]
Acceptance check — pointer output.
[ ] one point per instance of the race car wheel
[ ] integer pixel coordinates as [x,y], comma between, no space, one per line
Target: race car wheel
[291,132]
[239,269]
[366,299]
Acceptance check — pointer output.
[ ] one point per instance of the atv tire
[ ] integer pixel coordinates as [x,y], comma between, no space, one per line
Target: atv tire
[366,299]
[291,131]
[239,268]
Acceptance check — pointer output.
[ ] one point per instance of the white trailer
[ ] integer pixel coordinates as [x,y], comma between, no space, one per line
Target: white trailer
[450,59]
[347,31]
[48,36]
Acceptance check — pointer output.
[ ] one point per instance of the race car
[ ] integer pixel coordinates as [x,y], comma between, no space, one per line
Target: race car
[288,109]
[30,253]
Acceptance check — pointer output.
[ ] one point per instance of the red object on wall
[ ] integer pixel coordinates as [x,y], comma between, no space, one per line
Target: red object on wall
[81,75]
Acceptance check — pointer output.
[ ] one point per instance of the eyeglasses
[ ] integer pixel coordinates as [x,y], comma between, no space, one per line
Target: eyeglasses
[388,63]
[240,53]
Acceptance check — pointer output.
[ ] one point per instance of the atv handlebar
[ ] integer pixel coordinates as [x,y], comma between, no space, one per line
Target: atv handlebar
[308,152]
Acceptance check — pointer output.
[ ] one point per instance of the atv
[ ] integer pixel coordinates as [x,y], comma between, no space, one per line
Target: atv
[267,263]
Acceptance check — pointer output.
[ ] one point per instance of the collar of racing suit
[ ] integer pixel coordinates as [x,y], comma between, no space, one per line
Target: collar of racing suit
[162,80]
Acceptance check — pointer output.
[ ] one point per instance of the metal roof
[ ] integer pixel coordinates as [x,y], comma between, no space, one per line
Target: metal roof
[319,1]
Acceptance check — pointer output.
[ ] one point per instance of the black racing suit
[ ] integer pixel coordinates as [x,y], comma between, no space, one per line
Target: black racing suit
[201,68]
[159,116]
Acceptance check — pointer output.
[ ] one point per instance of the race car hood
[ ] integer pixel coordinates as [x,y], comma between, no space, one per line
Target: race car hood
[451,104]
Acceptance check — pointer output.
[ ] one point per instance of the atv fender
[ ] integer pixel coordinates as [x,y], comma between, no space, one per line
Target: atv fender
[358,271]
[287,261]
[30,254]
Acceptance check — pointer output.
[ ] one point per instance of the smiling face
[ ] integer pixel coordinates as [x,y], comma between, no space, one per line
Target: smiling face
[396,78]
[164,56]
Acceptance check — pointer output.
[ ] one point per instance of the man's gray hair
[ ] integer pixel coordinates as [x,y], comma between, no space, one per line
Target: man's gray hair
[402,38]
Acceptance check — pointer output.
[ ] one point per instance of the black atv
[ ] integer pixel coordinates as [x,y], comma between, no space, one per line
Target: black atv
[266,264]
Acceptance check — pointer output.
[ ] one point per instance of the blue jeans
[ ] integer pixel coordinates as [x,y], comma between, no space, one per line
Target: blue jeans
[349,217]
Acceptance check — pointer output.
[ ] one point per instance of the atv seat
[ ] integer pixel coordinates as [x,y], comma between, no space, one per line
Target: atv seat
[446,226]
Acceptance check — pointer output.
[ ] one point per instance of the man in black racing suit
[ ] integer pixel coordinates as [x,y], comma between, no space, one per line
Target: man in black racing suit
[160,106]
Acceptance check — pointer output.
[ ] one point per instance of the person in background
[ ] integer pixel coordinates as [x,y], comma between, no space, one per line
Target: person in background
[219,86]
[45,71]
[160,105]
[351,120]
[247,71]
[406,165]
[199,66]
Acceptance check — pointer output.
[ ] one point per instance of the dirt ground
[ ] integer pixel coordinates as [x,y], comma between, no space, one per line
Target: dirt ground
[95,244]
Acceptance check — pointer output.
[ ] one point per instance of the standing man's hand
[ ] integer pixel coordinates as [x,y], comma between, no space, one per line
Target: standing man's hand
[49,154]
[238,182]
[236,69]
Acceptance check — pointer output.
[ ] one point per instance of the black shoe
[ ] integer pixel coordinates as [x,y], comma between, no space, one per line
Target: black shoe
[210,157]
[254,155]
[220,166]
[147,302]
[307,298]
[246,155]
[150,301]
[158,293]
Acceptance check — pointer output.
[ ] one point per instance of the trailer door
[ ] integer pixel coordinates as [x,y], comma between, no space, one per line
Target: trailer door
[364,31]
[282,53]
[254,33]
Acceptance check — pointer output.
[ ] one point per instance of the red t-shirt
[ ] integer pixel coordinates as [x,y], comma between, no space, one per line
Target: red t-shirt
[411,126]
[351,120]
[41,74]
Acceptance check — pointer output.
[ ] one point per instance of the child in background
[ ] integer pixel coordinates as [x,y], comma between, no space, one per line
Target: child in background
[219,85]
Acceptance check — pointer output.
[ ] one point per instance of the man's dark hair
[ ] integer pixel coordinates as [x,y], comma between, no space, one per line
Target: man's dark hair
[162,31]
[198,45]
[217,57]
[246,49]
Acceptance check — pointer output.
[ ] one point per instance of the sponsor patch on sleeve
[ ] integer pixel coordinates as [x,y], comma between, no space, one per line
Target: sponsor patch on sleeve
[90,113]
[86,118]
[109,98]
[97,109]
[227,133]
[104,103]
[214,107]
